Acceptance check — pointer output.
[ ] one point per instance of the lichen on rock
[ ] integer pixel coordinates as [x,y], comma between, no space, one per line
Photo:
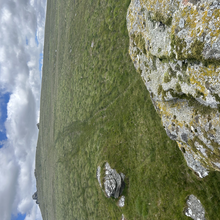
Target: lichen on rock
[175,46]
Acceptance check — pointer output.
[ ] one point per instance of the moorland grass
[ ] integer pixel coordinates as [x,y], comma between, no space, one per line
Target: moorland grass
[96,108]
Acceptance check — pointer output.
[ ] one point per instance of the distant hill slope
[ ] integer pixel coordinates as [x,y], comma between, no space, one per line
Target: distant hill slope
[95,108]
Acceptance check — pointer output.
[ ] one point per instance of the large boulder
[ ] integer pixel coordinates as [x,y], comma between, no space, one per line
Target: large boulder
[175,47]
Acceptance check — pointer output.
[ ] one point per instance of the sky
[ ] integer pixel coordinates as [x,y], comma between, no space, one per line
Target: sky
[22,25]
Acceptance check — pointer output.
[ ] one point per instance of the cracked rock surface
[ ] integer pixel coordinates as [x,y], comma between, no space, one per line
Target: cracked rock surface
[194,208]
[175,47]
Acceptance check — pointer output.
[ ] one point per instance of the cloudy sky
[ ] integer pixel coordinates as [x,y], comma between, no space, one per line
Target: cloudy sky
[21,52]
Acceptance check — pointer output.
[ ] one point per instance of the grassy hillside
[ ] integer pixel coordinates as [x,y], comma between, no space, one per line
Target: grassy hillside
[95,108]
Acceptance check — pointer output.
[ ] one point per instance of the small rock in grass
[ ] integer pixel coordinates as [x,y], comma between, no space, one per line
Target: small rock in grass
[121,201]
[113,181]
[194,209]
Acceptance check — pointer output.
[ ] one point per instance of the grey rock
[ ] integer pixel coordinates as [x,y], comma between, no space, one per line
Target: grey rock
[194,209]
[113,182]
[194,164]
[171,136]
[121,201]
[38,124]
[184,137]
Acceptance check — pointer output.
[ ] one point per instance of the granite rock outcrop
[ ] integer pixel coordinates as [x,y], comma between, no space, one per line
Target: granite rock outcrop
[175,47]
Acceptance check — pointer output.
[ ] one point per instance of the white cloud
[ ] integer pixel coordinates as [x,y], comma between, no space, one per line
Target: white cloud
[19,75]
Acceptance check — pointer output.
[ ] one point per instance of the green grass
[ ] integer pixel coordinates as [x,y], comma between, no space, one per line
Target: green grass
[95,108]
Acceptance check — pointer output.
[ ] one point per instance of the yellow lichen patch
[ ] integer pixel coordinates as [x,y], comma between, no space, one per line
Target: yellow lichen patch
[215,33]
[215,123]
[197,23]
[199,86]
[201,76]
[182,146]
[131,17]
[190,21]
[165,110]
[150,4]
[216,20]
[204,16]
[179,144]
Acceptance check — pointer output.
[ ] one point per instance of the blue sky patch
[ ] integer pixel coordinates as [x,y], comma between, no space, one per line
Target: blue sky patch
[4,99]
[26,41]
[41,61]
[36,39]
[18,217]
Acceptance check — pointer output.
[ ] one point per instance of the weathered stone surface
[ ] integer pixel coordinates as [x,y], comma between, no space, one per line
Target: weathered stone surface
[113,181]
[194,208]
[175,46]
